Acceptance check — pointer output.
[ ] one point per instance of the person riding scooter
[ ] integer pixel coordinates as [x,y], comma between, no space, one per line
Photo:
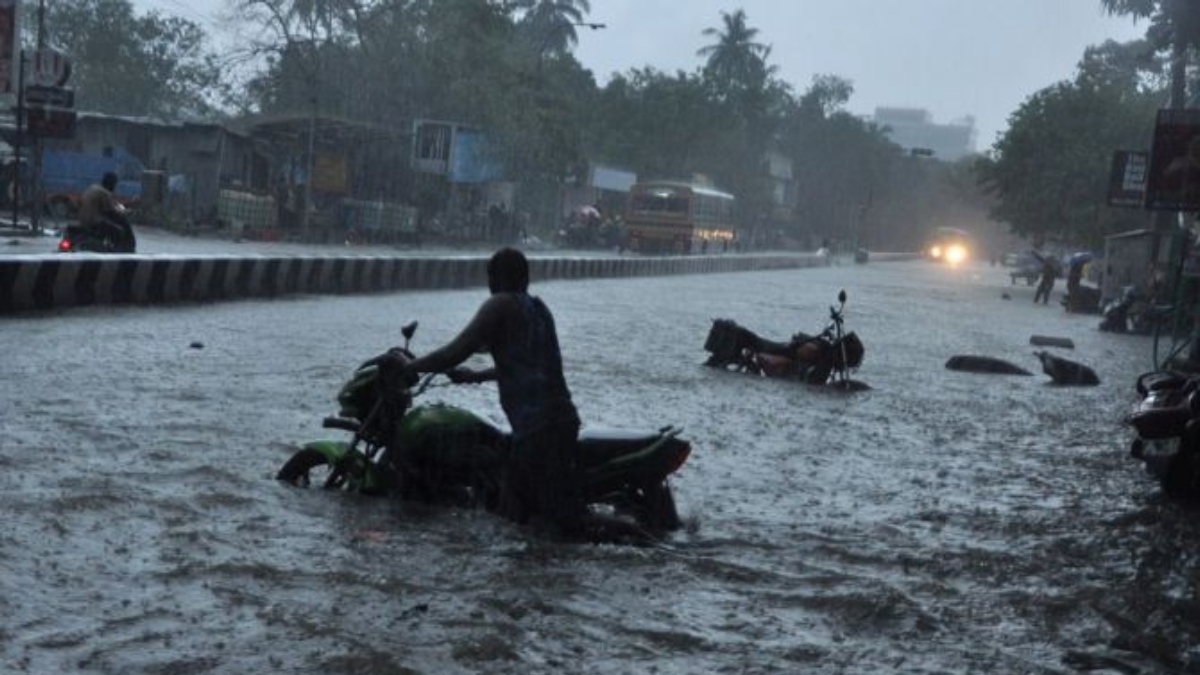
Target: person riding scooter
[100,213]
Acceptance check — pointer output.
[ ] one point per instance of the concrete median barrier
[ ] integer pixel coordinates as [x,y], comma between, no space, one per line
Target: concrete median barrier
[46,282]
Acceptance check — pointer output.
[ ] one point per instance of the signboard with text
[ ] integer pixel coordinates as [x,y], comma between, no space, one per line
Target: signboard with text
[51,122]
[1127,178]
[57,97]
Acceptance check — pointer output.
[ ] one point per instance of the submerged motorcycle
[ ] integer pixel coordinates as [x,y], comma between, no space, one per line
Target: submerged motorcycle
[446,454]
[1166,419]
[827,358]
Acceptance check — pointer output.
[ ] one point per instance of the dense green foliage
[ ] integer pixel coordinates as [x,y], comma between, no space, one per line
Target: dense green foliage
[1049,172]
[507,67]
[129,64]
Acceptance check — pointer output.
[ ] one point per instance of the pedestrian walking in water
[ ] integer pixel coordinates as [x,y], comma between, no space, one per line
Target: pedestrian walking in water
[1046,284]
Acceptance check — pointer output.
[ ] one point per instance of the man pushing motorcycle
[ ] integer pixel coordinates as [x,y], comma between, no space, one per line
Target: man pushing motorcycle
[99,211]
[540,480]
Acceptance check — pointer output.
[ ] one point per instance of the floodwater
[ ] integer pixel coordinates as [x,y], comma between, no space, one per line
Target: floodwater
[943,522]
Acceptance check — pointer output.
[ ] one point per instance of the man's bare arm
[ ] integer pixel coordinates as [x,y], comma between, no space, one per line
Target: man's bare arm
[479,332]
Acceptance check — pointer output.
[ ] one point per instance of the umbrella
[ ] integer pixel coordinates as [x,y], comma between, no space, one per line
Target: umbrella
[1080,258]
[588,212]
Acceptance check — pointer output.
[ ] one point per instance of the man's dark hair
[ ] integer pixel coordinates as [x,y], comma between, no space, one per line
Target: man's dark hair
[109,181]
[508,271]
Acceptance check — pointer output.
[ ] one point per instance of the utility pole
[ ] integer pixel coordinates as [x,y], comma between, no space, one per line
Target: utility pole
[312,149]
[16,177]
[36,214]
[310,157]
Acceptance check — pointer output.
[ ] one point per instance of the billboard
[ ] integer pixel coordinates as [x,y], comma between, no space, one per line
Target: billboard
[1127,178]
[1174,179]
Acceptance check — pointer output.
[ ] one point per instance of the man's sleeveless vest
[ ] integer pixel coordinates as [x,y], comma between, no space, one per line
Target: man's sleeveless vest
[529,373]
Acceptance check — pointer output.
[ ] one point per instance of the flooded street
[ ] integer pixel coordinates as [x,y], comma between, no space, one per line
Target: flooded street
[943,522]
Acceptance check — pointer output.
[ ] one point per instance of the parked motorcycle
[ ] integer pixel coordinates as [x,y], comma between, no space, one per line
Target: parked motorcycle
[827,358]
[1132,312]
[442,453]
[1166,419]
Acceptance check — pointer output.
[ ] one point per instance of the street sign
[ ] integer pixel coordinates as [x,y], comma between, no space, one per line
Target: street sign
[1127,178]
[51,68]
[51,122]
[58,97]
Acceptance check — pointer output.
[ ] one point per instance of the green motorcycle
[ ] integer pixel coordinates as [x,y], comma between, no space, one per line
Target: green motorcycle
[446,454]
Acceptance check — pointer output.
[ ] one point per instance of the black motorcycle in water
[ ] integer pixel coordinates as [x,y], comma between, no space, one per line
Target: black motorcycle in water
[827,358]
[1166,419]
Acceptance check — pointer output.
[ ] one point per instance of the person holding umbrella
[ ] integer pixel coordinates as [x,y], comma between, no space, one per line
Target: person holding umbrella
[1075,265]
[1049,276]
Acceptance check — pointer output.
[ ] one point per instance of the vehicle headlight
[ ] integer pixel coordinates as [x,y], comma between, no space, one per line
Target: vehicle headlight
[935,251]
[956,253]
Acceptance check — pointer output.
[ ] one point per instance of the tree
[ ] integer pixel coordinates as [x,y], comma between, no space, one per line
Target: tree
[549,25]
[1049,171]
[655,123]
[843,166]
[139,65]
[749,102]
[826,95]
[735,62]
[1174,26]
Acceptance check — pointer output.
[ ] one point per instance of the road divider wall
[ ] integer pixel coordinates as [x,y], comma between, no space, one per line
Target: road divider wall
[47,282]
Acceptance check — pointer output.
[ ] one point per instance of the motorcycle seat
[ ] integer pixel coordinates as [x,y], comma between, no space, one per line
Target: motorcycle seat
[618,438]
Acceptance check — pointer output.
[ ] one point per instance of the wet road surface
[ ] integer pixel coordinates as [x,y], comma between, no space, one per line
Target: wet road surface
[943,522]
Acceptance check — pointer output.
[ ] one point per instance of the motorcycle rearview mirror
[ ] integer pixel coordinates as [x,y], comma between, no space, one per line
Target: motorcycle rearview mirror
[842,296]
[407,331]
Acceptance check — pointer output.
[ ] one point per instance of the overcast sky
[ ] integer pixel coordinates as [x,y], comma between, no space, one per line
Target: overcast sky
[954,58]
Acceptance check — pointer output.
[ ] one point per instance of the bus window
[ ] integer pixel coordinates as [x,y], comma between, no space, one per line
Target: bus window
[660,201]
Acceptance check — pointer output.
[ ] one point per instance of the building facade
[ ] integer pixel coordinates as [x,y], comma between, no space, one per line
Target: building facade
[914,130]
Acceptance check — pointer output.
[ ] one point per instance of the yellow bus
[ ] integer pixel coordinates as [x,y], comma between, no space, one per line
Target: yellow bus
[678,217]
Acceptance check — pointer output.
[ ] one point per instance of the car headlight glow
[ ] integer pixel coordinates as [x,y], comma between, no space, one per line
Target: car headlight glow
[956,253]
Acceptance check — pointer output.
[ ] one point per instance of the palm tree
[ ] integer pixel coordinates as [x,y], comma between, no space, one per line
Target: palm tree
[735,60]
[551,23]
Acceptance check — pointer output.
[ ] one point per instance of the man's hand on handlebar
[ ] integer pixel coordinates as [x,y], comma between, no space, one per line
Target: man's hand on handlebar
[462,375]
[468,376]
